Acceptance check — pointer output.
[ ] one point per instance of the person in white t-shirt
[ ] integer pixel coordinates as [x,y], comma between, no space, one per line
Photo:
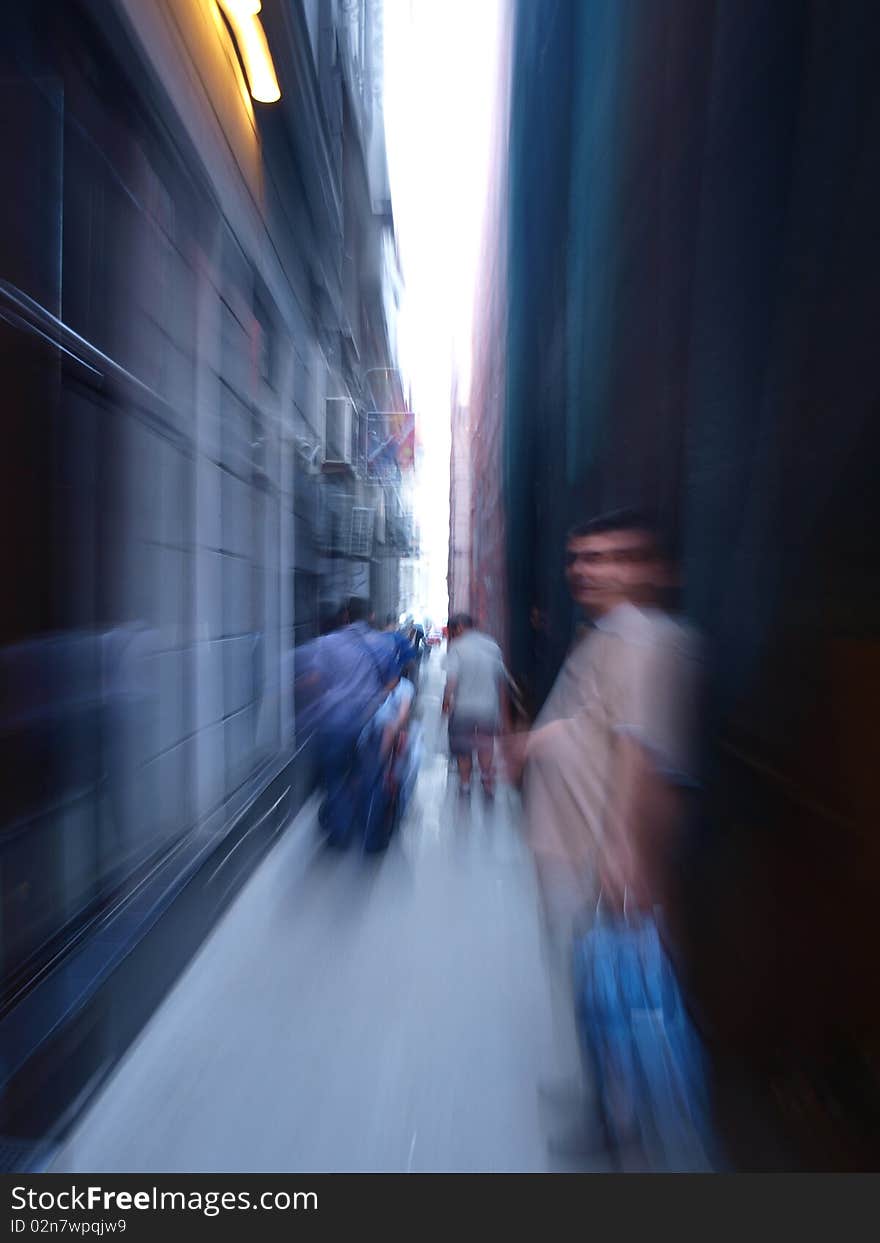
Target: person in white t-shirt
[474,699]
[608,767]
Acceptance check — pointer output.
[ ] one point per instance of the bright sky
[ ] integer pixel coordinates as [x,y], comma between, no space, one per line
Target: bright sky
[440,90]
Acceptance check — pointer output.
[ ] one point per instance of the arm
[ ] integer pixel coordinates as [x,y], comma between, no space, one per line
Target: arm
[451,682]
[403,715]
[518,746]
[398,723]
[449,696]
[652,699]
[641,818]
[515,713]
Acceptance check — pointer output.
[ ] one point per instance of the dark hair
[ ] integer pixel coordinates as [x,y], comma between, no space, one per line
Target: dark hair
[358,609]
[332,619]
[390,619]
[622,520]
[463,621]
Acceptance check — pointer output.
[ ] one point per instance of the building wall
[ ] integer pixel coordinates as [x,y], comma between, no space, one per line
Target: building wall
[693,269]
[174,470]
[483,512]
[460,485]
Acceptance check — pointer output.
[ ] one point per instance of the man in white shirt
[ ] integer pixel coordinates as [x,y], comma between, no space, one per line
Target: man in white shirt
[475,678]
[606,761]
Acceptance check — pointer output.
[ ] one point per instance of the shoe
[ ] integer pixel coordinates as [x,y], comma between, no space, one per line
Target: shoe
[464,788]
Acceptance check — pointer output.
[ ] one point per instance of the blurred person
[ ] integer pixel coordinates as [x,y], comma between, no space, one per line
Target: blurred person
[474,701]
[604,764]
[405,629]
[452,633]
[391,743]
[333,619]
[453,630]
[418,639]
[354,668]
[406,653]
[309,681]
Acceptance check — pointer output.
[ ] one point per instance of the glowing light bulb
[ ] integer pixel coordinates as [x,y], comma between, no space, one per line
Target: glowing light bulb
[243,17]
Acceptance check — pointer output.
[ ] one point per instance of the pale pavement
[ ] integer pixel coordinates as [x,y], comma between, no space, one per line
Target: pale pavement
[352,1014]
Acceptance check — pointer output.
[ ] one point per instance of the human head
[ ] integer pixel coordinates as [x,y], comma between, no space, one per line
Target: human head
[358,609]
[332,619]
[614,559]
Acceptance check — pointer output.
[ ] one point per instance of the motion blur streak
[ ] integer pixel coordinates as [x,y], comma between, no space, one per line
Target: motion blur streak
[689,276]
[197,332]
[304,862]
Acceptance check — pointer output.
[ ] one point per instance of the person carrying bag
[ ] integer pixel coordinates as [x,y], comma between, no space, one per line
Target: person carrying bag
[646,1056]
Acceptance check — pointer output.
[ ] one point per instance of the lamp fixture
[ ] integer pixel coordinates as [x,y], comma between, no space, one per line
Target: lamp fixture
[253,49]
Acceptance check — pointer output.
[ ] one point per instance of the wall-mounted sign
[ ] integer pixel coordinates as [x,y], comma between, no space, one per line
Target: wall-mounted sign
[390,442]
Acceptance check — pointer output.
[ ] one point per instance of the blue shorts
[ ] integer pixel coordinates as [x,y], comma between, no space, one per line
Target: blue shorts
[469,733]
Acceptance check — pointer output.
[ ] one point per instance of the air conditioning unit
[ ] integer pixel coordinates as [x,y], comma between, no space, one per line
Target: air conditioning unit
[333,529]
[361,544]
[338,431]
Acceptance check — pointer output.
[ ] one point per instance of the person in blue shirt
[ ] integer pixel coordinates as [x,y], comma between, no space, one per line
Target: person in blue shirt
[353,670]
[404,650]
[390,746]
